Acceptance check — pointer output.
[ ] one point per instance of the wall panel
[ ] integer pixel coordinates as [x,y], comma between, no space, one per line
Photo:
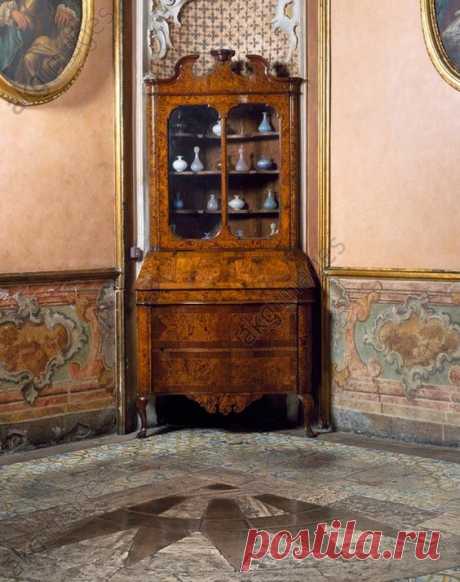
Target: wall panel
[57,171]
[395,139]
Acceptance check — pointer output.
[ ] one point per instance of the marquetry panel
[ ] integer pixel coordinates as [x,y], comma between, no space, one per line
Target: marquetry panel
[228,371]
[224,326]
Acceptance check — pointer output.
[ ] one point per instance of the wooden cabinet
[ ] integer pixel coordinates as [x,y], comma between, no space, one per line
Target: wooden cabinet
[225,297]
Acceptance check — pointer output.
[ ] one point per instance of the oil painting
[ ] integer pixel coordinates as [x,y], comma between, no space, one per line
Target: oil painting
[43,46]
[441,24]
[448,20]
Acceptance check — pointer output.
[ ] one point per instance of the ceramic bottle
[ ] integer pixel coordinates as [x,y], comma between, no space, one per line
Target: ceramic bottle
[178,201]
[241,164]
[273,229]
[237,202]
[212,203]
[197,165]
[270,202]
[265,126]
[217,128]
[179,164]
[264,163]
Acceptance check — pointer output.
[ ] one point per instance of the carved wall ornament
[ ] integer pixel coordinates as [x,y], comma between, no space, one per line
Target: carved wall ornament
[416,342]
[160,37]
[288,19]
[35,342]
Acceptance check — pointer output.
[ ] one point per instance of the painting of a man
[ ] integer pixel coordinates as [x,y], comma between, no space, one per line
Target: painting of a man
[448,17]
[37,39]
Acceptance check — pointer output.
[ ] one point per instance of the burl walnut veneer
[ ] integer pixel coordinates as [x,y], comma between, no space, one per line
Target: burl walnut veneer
[225,297]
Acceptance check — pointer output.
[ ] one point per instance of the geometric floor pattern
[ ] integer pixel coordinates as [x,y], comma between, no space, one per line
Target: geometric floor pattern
[177,507]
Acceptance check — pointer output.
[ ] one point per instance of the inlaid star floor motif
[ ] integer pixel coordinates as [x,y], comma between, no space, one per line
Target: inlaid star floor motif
[177,508]
[161,522]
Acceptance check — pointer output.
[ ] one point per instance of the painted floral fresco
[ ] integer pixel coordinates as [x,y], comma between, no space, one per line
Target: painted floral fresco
[448,17]
[396,354]
[57,350]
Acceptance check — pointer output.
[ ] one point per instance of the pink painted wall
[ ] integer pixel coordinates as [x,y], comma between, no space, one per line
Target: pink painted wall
[57,171]
[395,142]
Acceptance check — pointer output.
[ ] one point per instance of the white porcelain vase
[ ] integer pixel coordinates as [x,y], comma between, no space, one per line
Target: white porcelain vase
[212,204]
[237,202]
[197,164]
[241,164]
[217,128]
[179,164]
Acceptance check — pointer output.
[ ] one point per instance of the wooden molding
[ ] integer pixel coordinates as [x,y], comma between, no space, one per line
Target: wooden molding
[409,274]
[53,276]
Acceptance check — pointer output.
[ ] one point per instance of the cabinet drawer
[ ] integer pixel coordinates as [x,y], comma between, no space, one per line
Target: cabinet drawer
[224,327]
[226,371]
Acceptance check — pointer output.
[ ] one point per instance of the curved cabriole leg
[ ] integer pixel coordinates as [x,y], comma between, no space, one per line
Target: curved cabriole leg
[305,367]
[144,320]
[141,404]
[308,409]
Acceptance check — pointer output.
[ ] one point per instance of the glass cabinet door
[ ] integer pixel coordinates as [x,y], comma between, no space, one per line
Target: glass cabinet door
[253,149]
[195,172]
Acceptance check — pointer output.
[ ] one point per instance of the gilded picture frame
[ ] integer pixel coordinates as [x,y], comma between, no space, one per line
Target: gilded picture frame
[442,39]
[43,47]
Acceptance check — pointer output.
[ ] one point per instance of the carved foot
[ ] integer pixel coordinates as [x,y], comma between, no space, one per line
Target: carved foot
[141,405]
[323,423]
[309,432]
[308,408]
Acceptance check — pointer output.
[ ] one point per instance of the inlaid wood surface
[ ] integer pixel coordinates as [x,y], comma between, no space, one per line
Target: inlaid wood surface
[225,270]
[225,320]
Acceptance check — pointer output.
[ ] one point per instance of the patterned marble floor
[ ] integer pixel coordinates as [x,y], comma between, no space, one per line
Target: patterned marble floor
[177,507]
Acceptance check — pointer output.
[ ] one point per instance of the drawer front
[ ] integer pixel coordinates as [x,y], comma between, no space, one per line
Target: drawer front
[221,371]
[225,326]
[224,349]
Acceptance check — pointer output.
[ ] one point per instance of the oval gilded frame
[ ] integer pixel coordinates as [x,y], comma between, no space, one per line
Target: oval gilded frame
[435,45]
[25,96]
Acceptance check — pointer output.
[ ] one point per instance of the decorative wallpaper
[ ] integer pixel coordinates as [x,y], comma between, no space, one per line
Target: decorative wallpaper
[243,25]
[57,350]
[396,355]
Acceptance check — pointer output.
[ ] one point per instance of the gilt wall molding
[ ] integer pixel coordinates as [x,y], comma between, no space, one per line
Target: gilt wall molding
[326,240]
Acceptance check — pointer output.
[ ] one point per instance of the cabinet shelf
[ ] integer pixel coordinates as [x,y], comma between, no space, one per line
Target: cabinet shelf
[231,173]
[253,212]
[255,173]
[230,212]
[196,211]
[253,136]
[230,137]
[203,173]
